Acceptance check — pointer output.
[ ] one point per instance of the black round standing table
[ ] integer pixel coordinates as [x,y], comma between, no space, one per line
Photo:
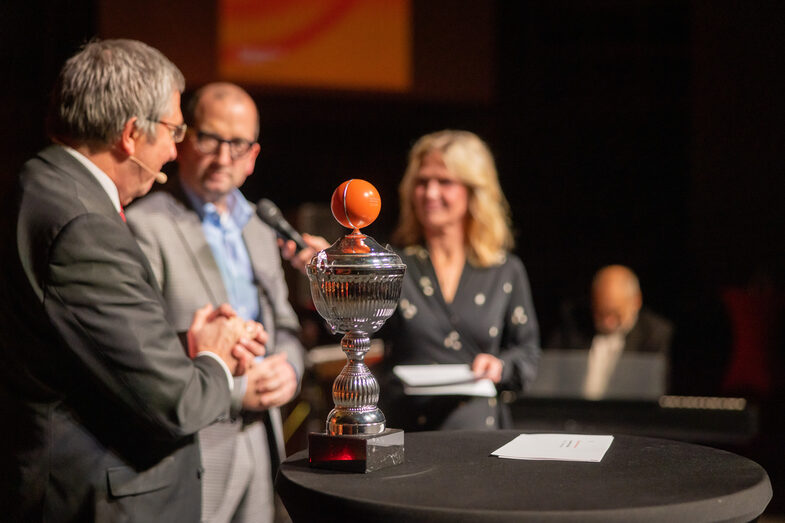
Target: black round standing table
[451,477]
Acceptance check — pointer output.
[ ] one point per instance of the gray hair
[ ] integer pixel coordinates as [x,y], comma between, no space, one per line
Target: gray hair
[107,83]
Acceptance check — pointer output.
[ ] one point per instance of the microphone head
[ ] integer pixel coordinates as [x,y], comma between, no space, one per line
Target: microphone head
[269,212]
[161,178]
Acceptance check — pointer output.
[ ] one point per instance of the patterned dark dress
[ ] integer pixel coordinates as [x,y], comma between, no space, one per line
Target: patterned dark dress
[492,312]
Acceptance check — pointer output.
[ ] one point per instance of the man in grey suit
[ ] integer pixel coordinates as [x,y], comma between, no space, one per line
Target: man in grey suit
[205,243]
[99,399]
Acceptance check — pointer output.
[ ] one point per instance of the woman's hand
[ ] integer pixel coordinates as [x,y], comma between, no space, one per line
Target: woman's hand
[488,366]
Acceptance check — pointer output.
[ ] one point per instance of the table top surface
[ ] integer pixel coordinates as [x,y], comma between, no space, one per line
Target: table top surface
[451,476]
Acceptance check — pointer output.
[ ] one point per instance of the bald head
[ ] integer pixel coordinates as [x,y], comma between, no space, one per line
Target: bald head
[220,94]
[616,299]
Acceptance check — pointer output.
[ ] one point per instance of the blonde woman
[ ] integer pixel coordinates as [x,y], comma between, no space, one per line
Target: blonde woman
[466,298]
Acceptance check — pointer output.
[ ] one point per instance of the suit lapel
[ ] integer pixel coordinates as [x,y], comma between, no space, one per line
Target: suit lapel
[192,235]
[93,196]
[252,232]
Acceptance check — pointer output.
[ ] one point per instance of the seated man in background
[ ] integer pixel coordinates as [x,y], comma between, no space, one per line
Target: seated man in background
[615,322]
[205,243]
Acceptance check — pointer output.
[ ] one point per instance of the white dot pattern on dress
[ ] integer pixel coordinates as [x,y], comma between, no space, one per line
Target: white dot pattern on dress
[408,309]
[519,317]
[453,341]
[426,285]
[479,299]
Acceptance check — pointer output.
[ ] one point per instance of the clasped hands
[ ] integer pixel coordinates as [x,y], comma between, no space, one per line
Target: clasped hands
[271,382]
[220,331]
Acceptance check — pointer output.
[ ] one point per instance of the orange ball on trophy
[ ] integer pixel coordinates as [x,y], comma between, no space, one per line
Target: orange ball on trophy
[356,203]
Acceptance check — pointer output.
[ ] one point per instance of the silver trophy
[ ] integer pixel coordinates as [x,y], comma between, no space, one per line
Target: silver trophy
[355,285]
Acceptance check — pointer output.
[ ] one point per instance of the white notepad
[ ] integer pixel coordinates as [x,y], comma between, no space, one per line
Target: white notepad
[443,380]
[563,447]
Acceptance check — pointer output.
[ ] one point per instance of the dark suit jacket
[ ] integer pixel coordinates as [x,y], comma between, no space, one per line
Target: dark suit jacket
[98,399]
[651,333]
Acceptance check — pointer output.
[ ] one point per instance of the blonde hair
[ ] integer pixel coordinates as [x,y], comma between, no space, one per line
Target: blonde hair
[468,158]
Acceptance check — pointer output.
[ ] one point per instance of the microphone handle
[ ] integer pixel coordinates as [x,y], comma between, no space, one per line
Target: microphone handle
[271,215]
[288,232]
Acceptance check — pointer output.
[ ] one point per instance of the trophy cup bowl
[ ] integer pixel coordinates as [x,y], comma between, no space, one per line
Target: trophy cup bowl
[355,285]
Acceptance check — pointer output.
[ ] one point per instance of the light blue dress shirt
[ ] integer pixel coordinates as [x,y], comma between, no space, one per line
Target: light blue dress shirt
[224,234]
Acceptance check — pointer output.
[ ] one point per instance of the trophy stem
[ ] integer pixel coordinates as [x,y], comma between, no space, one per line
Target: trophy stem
[355,392]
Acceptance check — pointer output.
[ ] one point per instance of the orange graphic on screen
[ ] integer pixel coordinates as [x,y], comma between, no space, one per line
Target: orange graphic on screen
[350,44]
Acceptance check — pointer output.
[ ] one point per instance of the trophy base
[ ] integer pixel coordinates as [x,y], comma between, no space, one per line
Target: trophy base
[356,453]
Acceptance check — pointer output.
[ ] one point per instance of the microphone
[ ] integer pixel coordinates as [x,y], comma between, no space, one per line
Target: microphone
[159,176]
[271,215]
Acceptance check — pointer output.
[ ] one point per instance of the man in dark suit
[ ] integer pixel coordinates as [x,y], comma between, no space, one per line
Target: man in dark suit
[99,399]
[206,244]
[615,321]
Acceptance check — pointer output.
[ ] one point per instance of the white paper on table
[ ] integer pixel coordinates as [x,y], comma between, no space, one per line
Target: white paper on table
[564,447]
[443,380]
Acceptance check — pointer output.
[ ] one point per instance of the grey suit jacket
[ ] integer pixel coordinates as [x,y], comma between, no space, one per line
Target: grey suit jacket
[99,400]
[170,233]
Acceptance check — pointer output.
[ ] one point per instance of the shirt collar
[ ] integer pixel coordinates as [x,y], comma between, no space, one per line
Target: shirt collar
[240,210]
[101,177]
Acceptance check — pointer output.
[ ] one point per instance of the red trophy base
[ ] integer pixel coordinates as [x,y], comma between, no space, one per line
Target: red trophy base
[356,453]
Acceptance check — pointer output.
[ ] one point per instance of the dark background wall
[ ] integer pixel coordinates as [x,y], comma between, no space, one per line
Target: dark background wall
[644,132]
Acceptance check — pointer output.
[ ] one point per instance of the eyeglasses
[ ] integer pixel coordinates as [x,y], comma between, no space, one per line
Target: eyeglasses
[208,143]
[177,131]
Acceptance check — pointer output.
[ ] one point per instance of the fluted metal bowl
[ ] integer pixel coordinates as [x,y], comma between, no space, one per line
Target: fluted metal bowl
[355,284]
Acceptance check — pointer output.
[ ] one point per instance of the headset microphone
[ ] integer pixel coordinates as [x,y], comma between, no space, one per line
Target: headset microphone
[159,176]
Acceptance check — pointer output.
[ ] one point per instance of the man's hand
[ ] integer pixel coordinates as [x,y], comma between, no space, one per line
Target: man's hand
[301,259]
[272,382]
[223,333]
[250,345]
[488,366]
